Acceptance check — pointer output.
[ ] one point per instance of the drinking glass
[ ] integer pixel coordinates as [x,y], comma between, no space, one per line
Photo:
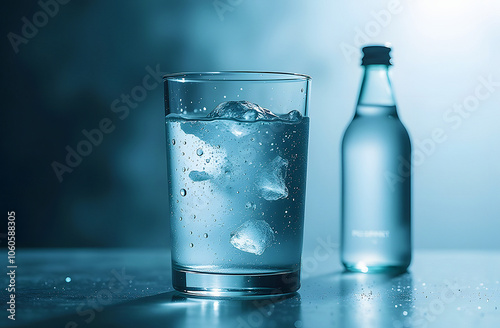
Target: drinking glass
[236,170]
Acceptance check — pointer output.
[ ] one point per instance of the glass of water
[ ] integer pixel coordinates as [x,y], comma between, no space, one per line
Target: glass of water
[236,170]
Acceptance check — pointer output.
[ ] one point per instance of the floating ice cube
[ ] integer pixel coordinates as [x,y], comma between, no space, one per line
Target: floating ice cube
[239,130]
[253,237]
[199,176]
[271,182]
[241,110]
[294,116]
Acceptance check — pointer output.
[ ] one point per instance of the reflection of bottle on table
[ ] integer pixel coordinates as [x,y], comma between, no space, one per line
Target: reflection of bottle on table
[378,300]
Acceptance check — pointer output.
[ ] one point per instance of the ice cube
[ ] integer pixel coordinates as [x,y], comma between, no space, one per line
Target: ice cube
[271,182]
[294,116]
[238,129]
[253,237]
[199,176]
[241,110]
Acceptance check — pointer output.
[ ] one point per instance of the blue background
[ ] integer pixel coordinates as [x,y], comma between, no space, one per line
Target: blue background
[66,77]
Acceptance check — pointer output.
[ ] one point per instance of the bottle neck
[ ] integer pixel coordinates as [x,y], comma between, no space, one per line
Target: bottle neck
[376,92]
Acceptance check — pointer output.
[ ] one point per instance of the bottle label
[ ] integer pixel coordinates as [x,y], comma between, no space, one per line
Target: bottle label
[370,233]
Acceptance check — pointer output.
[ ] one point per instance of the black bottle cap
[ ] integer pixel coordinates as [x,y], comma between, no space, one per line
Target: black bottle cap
[376,55]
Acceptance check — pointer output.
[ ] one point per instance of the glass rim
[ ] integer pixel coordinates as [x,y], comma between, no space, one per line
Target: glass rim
[218,76]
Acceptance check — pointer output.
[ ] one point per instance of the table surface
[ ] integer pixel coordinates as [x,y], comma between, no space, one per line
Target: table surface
[132,288]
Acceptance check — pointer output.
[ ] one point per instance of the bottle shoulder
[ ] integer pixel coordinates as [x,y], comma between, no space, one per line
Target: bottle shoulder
[373,128]
[365,121]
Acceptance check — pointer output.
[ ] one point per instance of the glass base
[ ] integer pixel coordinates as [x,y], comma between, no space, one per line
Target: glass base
[234,285]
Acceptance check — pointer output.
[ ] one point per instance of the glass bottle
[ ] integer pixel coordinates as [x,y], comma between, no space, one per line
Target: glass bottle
[376,176]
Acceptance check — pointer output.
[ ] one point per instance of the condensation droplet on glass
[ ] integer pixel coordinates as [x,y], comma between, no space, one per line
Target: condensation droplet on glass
[205,235]
[173,141]
[207,160]
[199,152]
[191,245]
[183,192]
[405,312]
[180,219]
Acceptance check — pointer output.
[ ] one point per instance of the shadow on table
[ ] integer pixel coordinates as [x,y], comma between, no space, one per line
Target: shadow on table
[339,299]
[173,309]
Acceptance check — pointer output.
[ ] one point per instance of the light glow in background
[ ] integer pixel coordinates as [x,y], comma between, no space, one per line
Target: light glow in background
[66,78]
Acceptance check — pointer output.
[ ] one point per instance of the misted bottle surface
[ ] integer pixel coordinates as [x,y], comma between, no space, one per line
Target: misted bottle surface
[376,176]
